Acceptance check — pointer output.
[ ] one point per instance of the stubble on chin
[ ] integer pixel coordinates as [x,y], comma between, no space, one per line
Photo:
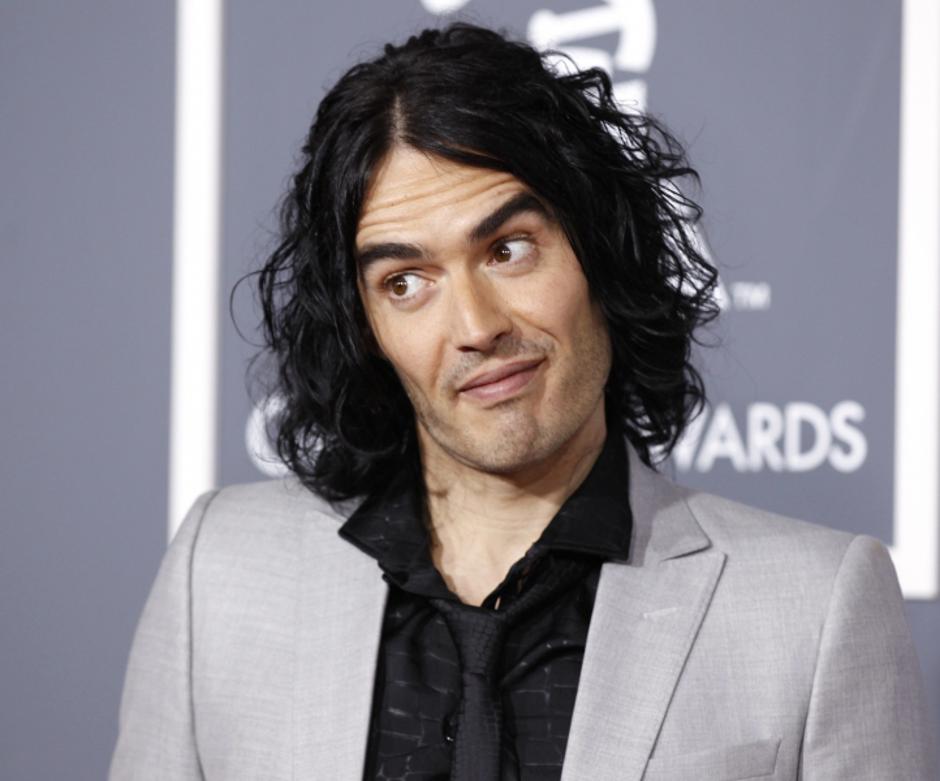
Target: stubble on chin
[517,433]
[496,439]
[505,442]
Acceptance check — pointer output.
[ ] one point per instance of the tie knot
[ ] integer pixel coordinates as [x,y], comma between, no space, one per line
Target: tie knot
[478,634]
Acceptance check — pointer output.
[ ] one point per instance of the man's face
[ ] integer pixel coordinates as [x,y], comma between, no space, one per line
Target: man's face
[475,296]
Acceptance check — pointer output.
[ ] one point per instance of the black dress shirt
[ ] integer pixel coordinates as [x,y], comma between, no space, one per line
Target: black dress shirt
[418,682]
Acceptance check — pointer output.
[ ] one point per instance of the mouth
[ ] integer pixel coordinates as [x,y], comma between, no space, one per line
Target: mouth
[502,383]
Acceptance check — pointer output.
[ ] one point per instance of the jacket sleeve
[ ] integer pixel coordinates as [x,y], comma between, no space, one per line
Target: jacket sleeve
[868,715]
[156,732]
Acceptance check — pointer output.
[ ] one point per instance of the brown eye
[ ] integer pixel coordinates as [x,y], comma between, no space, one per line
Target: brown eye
[512,251]
[399,286]
[502,253]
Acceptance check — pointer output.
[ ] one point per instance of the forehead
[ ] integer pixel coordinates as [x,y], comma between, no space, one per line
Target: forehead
[413,191]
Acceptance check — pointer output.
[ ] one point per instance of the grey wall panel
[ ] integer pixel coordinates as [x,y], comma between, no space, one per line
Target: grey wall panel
[791,114]
[85,241]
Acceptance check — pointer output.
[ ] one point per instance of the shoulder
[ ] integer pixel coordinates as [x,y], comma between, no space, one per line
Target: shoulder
[286,500]
[741,530]
[266,521]
[792,558]
[670,518]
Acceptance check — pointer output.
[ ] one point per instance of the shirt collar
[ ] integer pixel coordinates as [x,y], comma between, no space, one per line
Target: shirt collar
[595,520]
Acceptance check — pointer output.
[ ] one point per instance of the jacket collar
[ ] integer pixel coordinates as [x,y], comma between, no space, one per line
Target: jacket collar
[664,527]
[646,617]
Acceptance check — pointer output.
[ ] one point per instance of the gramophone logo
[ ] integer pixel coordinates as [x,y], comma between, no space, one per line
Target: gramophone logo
[633,22]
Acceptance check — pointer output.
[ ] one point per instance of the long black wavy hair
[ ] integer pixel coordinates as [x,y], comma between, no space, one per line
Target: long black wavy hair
[476,97]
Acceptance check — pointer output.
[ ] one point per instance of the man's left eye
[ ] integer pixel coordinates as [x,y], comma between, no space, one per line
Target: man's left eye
[511,250]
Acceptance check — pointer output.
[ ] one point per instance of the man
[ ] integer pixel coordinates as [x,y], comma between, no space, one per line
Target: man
[481,312]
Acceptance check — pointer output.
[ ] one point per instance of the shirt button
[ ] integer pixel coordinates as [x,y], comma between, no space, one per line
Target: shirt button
[450,728]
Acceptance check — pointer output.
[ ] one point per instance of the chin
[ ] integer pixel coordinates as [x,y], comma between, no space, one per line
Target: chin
[510,447]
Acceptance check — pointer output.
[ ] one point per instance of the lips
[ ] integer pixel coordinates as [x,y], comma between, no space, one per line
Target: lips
[502,381]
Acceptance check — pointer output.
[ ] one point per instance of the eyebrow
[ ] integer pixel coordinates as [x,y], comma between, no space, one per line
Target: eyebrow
[520,203]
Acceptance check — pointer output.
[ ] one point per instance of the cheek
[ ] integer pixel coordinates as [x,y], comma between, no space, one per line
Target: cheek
[560,305]
[411,351]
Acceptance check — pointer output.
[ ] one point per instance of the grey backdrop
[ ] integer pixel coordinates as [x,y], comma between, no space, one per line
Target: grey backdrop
[790,111]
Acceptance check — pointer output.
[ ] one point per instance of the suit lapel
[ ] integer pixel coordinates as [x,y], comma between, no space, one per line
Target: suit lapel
[341,605]
[646,616]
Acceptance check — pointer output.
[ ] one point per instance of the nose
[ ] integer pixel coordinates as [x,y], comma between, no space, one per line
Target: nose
[479,316]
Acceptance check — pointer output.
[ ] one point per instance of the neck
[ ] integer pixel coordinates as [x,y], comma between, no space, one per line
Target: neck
[481,523]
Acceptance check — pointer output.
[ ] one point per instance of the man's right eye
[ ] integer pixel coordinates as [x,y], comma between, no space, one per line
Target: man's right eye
[402,286]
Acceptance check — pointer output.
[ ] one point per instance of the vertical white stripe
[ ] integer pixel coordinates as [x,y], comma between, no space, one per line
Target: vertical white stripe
[917,390]
[196,197]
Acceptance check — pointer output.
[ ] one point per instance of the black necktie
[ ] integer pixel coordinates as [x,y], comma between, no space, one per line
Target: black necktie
[479,635]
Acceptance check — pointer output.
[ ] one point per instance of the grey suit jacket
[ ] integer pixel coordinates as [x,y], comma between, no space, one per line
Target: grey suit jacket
[734,644]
